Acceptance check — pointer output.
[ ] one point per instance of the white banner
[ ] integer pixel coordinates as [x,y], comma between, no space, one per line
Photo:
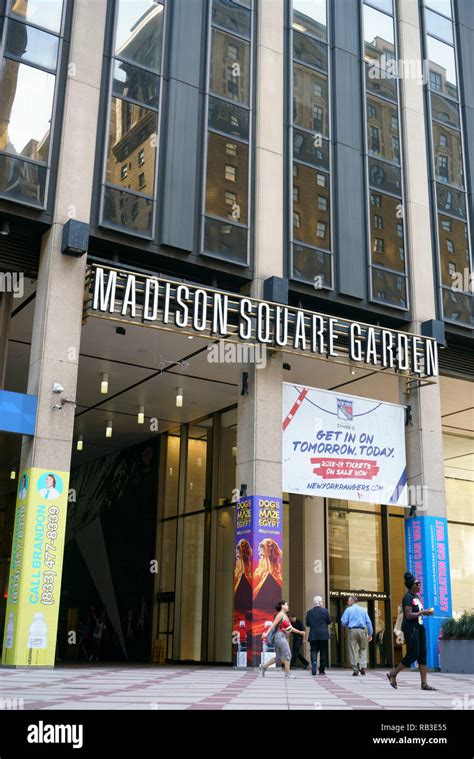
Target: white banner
[342,446]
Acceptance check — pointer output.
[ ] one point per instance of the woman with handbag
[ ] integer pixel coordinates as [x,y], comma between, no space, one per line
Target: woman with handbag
[277,635]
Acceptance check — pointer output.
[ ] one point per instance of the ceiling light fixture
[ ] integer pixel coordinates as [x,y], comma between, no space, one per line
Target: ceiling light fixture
[13,475]
[179,397]
[80,443]
[108,429]
[141,415]
[104,384]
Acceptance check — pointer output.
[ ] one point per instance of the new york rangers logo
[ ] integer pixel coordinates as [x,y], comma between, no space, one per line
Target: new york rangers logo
[344,409]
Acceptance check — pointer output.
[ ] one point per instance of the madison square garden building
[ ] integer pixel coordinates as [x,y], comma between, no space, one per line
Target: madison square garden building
[236,321]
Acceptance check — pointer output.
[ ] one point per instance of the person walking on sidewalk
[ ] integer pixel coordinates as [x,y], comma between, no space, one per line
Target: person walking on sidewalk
[318,621]
[357,620]
[414,631]
[297,643]
[283,627]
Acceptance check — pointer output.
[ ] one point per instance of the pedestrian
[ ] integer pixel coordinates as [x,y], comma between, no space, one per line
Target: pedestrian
[99,628]
[357,620]
[318,621]
[414,631]
[283,627]
[297,643]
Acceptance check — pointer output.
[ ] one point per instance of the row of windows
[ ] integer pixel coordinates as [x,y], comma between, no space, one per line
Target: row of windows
[447,158]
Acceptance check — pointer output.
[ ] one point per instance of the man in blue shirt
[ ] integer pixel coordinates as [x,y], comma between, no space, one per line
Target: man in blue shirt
[357,620]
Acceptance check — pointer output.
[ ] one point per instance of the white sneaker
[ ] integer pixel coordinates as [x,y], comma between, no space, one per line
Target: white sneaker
[262,670]
[290,677]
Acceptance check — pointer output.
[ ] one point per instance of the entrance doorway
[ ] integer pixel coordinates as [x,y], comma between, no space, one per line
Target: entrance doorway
[378,652]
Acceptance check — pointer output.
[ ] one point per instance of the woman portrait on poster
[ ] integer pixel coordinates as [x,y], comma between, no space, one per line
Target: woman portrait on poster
[269,565]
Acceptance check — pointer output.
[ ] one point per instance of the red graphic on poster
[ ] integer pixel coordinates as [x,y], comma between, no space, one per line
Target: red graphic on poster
[330,469]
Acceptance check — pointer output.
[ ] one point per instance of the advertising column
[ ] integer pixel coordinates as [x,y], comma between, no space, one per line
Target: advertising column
[257,576]
[36,565]
[428,560]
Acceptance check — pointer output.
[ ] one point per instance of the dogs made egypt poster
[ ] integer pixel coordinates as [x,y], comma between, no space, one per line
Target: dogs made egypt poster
[341,446]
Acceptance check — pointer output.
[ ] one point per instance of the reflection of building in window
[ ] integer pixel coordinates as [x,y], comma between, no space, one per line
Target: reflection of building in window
[231,148]
[435,80]
[321,229]
[375,200]
[296,219]
[378,222]
[296,194]
[230,173]
[378,245]
[141,157]
[322,203]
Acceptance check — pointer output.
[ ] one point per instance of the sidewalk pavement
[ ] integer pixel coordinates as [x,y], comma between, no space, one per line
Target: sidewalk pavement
[221,688]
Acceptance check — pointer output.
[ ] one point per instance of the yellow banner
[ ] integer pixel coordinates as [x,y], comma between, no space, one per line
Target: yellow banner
[36,566]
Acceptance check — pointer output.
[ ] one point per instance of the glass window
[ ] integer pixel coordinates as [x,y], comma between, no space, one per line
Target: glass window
[136,84]
[224,531]
[166,576]
[45,14]
[230,67]
[139,32]
[448,155]
[389,287]
[313,191]
[130,130]
[192,588]
[379,40]
[226,172]
[385,177]
[440,6]
[459,492]
[458,306]
[380,82]
[461,550]
[32,45]
[310,52]
[27,96]
[196,469]
[311,150]
[382,121]
[355,550]
[451,201]
[232,17]
[122,209]
[21,180]
[445,111]
[439,26]
[227,455]
[309,16]
[310,100]
[442,65]
[383,5]
[229,118]
[309,263]
[170,505]
[452,241]
[396,528]
[225,240]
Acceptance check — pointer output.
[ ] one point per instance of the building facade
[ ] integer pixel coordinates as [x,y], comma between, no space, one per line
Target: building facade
[262,154]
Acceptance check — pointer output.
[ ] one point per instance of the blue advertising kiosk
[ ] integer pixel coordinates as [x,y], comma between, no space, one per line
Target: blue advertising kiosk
[427,552]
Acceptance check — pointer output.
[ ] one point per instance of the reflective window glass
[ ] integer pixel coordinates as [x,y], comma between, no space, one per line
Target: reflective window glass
[170,503]
[136,84]
[309,263]
[461,547]
[232,17]
[21,180]
[355,550]
[385,226]
[309,51]
[312,207]
[191,618]
[309,150]
[196,469]
[309,16]
[225,240]
[227,178]
[442,68]
[439,26]
[130,130]
[441,6]
[26,95]
[448,155]
[32,45]
[230,67]
[45,14]
[389,288]
[229,118]
[451,201]
[132,212]
[445,110]
[139,32]
[382,128]
[458,306]
[380,81]
[453,249]
[383,5]
[379,40]
[310,100]
[384,177]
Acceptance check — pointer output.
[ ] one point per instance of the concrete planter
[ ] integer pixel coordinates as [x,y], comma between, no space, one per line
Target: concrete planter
[457,656]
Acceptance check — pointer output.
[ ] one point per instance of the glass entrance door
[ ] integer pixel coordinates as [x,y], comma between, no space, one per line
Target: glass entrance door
[339,643]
